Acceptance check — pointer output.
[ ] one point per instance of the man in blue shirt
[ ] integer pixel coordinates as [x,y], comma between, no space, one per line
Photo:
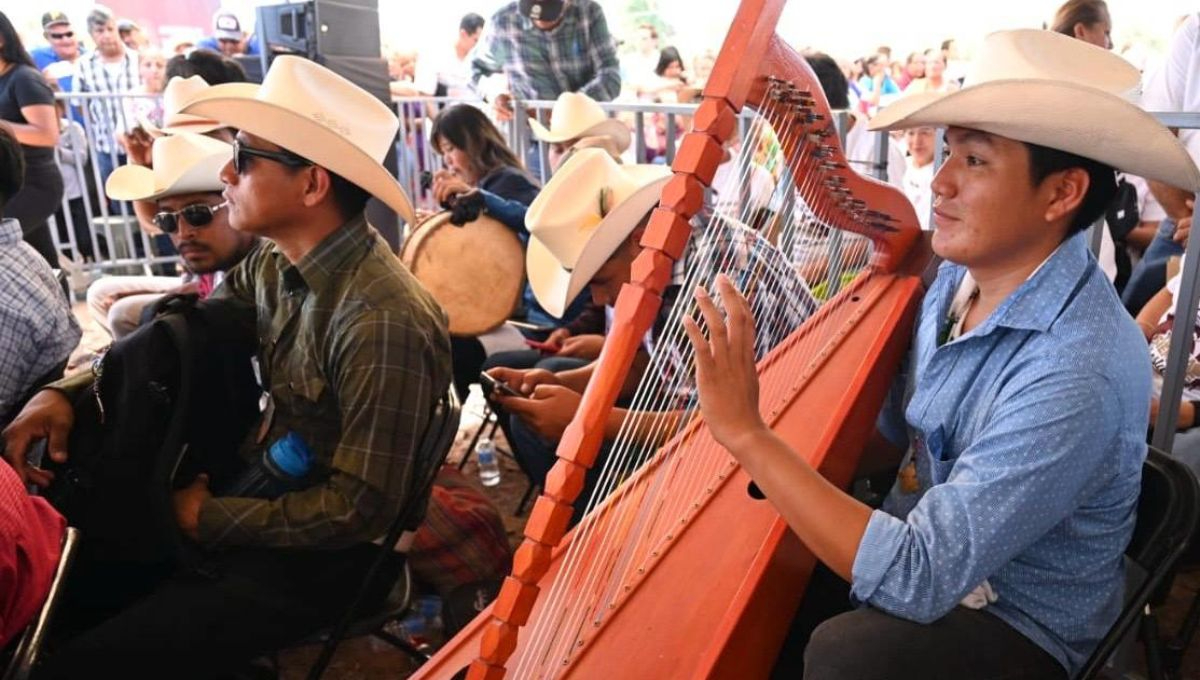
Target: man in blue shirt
[998,552]
[57,59]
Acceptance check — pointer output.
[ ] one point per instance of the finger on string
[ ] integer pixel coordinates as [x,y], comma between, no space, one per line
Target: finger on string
[714,321]
[702,351]
[741,317]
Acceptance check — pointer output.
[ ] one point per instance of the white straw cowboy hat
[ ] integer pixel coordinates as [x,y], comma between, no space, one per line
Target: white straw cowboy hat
[577,115]
[586,210]
[1044,88]
[319,115]
[183,164]
[178,92]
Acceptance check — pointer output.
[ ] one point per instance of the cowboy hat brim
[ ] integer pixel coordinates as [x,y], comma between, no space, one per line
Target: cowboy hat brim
[139,183]
[1060,115]
[237,108]
[553,285]
[199,126]
[609,127]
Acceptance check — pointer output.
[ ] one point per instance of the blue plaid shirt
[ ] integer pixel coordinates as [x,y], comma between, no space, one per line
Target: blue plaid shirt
[577,55]
[37,330]
[1028,437]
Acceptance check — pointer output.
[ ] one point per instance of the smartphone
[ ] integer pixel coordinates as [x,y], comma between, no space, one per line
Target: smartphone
[546,347]
[490,386]
[532,327]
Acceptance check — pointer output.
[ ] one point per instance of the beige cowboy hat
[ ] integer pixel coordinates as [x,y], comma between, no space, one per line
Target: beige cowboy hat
[1044,88]
[178,92]
[184,163]
[587,209]
[577,115]
[319,115]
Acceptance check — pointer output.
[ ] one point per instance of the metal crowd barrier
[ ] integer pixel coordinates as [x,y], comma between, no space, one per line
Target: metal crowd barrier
[110,234]
[119,245]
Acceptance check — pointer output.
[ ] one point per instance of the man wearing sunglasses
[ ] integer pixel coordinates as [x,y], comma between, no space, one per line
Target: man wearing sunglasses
[56,59]
[185,189]
[353,355]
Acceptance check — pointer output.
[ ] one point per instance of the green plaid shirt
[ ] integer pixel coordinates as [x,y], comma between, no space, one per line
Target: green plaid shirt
[354,353]
[578,55]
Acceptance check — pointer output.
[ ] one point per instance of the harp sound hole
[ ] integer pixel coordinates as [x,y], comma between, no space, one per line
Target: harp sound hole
[754,492]
[855,298]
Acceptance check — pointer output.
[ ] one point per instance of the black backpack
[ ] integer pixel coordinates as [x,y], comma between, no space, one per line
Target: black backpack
[175,398]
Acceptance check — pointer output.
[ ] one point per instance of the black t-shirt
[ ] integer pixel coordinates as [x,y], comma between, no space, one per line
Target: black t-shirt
[23,86]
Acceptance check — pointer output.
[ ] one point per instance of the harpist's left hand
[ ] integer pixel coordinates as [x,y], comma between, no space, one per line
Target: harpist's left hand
[725,372]
[187,502]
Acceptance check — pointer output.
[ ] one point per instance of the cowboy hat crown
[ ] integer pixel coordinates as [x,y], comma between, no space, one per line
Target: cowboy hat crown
[178,92]
[184,163]
[319,115]
[587,209]
[577,115]
[1044,88]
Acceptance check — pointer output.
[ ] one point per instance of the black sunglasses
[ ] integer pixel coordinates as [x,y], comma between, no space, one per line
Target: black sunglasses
[196,214]
[243,153]
[60,36]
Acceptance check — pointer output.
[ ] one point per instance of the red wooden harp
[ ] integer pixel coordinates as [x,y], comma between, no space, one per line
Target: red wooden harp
[681,572]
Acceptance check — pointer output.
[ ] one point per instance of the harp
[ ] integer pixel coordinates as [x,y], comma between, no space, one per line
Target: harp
[681,571]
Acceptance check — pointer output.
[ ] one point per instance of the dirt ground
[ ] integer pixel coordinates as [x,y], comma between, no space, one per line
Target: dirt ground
[371,659]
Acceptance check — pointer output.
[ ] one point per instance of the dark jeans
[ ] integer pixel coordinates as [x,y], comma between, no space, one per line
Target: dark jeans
[1150,274]
[38,199]
[830,641]
[191,626]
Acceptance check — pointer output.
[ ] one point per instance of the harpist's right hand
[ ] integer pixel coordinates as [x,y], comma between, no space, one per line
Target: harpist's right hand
[47,416]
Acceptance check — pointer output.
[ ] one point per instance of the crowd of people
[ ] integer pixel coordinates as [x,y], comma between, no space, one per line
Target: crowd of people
[1007,409]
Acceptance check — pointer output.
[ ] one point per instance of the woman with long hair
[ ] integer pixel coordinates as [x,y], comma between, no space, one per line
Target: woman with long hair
[27,111]
[476,156]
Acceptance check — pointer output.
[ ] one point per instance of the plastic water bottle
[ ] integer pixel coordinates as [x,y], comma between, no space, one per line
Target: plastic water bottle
[489,467]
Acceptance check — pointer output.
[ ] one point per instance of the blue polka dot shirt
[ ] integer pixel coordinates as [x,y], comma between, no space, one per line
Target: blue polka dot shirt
[1028,436]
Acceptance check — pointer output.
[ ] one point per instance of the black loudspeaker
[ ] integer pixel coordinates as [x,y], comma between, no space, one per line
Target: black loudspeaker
[343,36]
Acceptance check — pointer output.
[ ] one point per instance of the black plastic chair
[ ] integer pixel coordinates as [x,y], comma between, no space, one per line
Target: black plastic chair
[435,445]
[1168,509]
[28,650]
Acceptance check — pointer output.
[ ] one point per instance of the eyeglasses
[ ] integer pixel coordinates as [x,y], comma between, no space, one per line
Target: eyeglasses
[60,36]
[196,214]
[243,153]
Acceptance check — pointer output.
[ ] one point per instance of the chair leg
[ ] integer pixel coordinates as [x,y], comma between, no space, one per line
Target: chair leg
[1178,645]
[1153,645]
[488,414]
[525,499]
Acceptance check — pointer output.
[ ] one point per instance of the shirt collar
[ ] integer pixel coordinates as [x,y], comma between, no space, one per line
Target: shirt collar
[1040,300]
[338,252]
[10,232]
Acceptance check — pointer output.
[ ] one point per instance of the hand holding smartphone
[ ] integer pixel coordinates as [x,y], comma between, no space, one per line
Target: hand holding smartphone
[490,386]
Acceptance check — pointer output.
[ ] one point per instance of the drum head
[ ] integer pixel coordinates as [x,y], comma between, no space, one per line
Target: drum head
[476,272]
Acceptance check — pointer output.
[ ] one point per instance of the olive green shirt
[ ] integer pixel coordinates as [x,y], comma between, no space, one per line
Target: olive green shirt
[354,353]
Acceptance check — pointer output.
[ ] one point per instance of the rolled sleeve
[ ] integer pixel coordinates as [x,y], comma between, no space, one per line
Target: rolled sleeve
[1041,453]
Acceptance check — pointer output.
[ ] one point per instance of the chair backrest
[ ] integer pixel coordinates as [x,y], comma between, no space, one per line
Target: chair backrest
[29,648]
[435,445]
[1167,513]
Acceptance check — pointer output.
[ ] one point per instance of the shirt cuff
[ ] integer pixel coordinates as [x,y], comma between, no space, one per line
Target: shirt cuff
[877,550]
[215,525]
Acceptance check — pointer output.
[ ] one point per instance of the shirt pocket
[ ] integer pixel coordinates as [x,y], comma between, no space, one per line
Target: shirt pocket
[940,456]
[305,395]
